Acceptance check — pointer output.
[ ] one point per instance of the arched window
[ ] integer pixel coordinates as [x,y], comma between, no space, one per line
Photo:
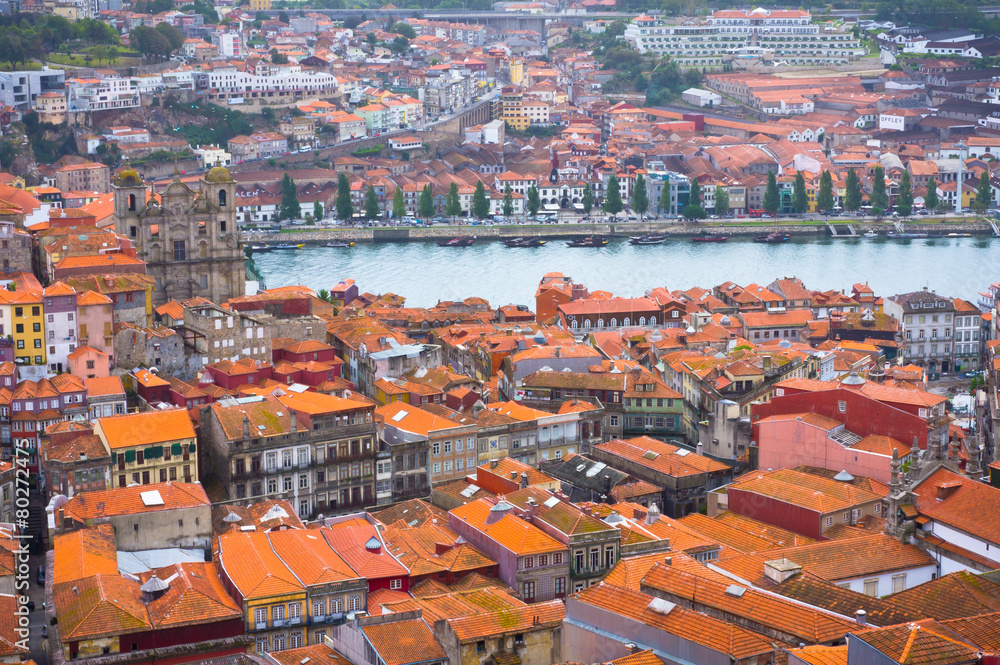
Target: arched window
[131,202]
[625,321]
[586,325]
[600,323]
[652,320]
[642,320]
[573,324]
[614,323]
[222,198]
[203,250]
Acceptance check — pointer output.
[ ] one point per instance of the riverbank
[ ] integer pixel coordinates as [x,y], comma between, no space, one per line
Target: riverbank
[741,228]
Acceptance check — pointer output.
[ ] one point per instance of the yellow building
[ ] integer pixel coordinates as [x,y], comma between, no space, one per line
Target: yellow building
[516,69]
[512,110]
[273,599]
[260,5]
[150,447]
[27,326]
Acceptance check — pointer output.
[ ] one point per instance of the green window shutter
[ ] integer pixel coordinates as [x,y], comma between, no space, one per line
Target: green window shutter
[157,452]
[148,453]
[129,455]
[191,447]
[175,449]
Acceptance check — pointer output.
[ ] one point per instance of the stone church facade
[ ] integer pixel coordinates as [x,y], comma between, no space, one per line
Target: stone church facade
[189,239]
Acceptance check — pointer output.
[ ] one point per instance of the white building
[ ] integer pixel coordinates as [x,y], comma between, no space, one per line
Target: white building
[212,155]
[230,80]
[700,97]
[106,94]
[734,35]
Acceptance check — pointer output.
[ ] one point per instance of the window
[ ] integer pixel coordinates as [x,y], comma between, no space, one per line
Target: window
[560,586]
[529,562]
[898,582]
[829,521]
[396,584]
[294,610]
[842,406]
[295,639]
[277,612]
[279,642]
[847,516]
[436,449]
[260,617]
[543,560]
[354,603]
[557,558]
[871,587]
[528,592]
[262,644]
[179,251]
[480,646]
[436,468]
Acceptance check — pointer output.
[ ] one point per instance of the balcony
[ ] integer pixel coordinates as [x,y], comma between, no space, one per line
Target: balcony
[279,623]
[295,621]
[260,626]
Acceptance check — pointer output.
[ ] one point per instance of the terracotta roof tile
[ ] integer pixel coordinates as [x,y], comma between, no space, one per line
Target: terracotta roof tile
[971,506]
[310,558]
[195,596]
[661,457]
[404,642]
[720,636]
[806,624]
[509,531]
[511,620]
[146,428]
[255,570]
[952,596]
[349,542]
[128,500]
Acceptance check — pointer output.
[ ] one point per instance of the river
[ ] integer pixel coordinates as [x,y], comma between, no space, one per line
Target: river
[425,273]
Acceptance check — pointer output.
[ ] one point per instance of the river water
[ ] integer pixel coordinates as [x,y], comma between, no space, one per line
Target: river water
[425,273]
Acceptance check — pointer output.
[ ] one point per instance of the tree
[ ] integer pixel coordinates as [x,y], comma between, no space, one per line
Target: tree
[772,199]
[904,202]
[289,207]
[452,204]
[694,198]
[112,54]
[173,35]
[613,200]
[149,42]
[323,295]
[852,191]
[721,201]
[640,202]
[405,29]
[692,212]
[480,203]
[400,45]
[100,52]
[800,199]
[508,202]
[398,204]
[664,202]
[534,201]
[824,200]
[588,199]
[425,205]
[345,208]
[283,17]
[278,58]
[317,210]
[371,204]
[931,199]
[879,197]
[984,194]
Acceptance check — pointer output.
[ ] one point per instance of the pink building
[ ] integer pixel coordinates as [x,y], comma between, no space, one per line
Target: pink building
[89,363]
[95,319]
[790,440]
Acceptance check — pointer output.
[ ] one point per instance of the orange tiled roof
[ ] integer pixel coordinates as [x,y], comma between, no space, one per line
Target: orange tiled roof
[349,542]
[811,491]
[307,554]
[255,570]
[98,504]
[805,623]
[511,620]
[509,531]
[403,642]
[660,456]
[715,634]
[146,428]
[971,506]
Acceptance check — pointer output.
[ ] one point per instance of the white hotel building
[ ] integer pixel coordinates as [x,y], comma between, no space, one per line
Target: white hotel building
[736,35]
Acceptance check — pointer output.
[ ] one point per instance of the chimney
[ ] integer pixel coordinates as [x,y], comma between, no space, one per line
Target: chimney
[652,515]
[513,475]
[294,427]
[946,489]
[631,647]
[556,352]
[524,479]
[780,570]
[861,617]
[246,430]
[700,448]
[669,560]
